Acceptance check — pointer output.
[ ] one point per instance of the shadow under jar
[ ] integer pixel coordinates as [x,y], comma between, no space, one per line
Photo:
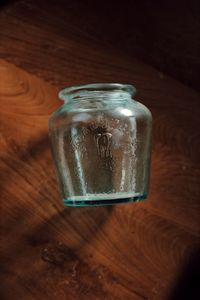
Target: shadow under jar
[101,142]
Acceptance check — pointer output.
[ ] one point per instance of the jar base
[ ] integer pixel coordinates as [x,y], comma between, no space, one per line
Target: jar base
[80,201]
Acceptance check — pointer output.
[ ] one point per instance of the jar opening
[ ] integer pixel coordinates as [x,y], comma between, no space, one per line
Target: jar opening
[79,91]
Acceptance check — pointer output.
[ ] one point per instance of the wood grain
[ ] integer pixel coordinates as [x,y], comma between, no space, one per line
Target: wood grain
[122,252]
[162,34]
[132,251]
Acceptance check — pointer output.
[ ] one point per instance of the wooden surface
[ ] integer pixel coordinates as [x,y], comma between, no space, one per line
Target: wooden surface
[164,34]
[131,251]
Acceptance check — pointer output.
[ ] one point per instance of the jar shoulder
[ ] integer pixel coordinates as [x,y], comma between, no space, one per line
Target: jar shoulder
[124,109]
[142,109]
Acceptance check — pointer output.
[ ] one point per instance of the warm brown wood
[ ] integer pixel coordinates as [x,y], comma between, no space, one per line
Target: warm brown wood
[132,251]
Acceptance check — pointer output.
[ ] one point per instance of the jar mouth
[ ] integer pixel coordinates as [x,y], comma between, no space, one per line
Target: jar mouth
[77,90]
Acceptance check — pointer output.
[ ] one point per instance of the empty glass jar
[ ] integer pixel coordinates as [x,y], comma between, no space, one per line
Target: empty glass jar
[101,140]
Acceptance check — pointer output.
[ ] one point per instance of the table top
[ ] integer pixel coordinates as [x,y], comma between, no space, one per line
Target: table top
[126,251]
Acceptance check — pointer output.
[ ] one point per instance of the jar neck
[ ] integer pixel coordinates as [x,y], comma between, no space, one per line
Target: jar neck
[97,92]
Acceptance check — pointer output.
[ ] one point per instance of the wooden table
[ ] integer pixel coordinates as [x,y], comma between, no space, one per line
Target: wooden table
[129,252]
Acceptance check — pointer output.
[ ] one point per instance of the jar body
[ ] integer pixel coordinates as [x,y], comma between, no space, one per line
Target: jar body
[101,147]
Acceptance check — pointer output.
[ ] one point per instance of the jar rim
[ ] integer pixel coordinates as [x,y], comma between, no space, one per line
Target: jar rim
[69,91]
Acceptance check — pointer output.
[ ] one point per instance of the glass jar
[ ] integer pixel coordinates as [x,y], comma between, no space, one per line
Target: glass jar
[101,141]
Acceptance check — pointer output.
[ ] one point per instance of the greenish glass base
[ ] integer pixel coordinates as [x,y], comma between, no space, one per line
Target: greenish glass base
[102,202]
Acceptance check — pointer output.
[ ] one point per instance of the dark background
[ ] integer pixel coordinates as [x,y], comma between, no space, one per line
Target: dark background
[164,34]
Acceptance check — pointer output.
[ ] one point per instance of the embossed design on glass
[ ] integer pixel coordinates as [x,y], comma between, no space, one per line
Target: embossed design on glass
[101,141]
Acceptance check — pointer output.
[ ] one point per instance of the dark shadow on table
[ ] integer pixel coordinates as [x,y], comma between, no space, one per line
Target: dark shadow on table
[187,286]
